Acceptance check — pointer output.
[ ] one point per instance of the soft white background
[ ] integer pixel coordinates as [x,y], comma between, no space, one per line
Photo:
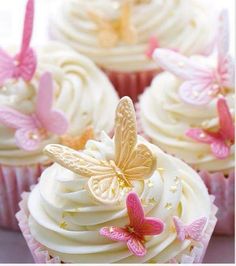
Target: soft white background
[12,246]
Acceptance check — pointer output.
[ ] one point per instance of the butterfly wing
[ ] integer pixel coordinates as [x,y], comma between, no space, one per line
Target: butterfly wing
[225,68]
[151,226]
[6,66]
[180,228]
[181,66]
[105,187]
[14,119]
[197,92]
[106,34]
[75,161]
[28,138]
[54,121]
[152,45]
[136,246]
[195,229]
[200,135]
[225,120]
[115,233]
[220,149]
[135,211]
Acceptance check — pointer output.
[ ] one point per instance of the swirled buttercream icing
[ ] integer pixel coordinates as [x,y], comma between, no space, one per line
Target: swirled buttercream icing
[165,118]
[81,92]
[185,25]
[66,220]
[85,191]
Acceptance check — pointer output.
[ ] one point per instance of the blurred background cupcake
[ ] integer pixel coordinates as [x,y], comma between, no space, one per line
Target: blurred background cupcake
[120,36]
[95,210]
[68,104]
[188,111]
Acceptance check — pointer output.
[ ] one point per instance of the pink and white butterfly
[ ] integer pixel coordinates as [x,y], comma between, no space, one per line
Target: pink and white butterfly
[201,83]
[139,226]
[221,140]
[23,64]
[192,231]
[33,128]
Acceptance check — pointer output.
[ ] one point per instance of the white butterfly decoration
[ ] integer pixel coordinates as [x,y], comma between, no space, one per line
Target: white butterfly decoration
[109,179]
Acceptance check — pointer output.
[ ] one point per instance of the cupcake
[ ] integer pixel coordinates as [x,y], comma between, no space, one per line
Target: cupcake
[119,36]
[52,95]
[120,200]
[188,112]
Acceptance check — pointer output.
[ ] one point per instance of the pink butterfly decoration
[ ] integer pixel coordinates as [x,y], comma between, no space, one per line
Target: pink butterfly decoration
[201,83]
[32,129]
[139,226]
[153,44]
[24,63]
[192,231]
[221,140]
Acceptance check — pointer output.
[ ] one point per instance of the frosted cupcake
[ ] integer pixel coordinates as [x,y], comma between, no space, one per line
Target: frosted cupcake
[120,35]
[120,200]
[68,104]
[188,112]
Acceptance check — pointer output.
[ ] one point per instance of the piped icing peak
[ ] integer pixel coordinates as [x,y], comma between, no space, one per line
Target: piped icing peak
[31,129]
[23,64]
[201,83]
[109,180]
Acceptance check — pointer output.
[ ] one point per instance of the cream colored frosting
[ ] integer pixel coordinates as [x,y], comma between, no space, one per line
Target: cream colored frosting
[82,92]
[165,119]
[66,220]
[187,25]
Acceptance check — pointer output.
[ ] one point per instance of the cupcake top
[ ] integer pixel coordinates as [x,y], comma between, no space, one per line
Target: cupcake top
[188,109]
[115,34]
[74,87]
[120,200]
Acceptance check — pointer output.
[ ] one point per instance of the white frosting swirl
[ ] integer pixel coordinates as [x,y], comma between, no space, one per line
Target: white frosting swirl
[81,91]
[60,198]
[187,25]
[165,119]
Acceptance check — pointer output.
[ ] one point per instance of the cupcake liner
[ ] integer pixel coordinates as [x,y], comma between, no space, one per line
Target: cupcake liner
[223,188]
[41,255]
[14,180]
[218,185]
[131,84]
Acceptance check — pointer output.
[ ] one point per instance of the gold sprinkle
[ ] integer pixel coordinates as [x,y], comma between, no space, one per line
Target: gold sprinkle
[191,248]
[152,201]
[152,261]
[113,191]
[173,189]
[193,23]
[200,156]
[176,180]
[160,170]
[63,225]
[150,184]
[168,206]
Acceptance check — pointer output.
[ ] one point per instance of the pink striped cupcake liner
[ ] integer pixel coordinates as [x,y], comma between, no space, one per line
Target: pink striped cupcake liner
[41,255]
[219,185]
[131,84]
[14,180]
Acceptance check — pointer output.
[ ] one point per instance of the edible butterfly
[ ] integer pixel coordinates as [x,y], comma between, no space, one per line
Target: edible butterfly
[33,128]
[24,63]
[201,83]
[221,140]
[139,227]
[110,32]
[192,231]
[110,179]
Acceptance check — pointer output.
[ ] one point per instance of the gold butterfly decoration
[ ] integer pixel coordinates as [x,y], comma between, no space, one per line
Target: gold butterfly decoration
[110,32]
[77,142]
[108,180]
[139,2]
